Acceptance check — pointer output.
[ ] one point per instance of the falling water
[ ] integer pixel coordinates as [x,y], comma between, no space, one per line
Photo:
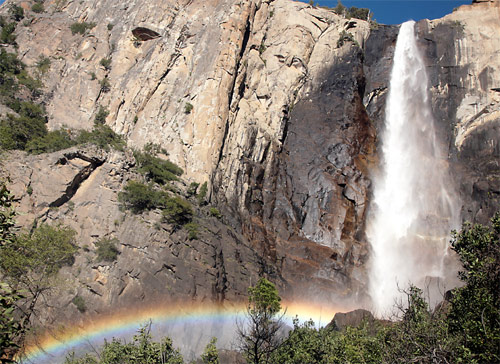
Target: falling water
[414,205]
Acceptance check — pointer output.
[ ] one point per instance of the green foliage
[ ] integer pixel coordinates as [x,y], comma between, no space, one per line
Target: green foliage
[421,335]
[475,308]
[139,197]
[192,229]
[37,8]
[43,63]
[7,215]
[193,187]
[156,169]
[306,344]
[106,63]
[215,212]
[259,339]
[262,47]
[100,117]
[107,250]
[177,211]
[203,193]
[110,26]
[51,142]
[344,37]
[102,136]
[79,302]
[105,84]
[340,9]
[264,299]
[81,28]
[40,253]
[7,35]
[142,350]
[11,328]
[358,13]
[211,354]
[16,12]
[188,108]
[352,12]
[17,131]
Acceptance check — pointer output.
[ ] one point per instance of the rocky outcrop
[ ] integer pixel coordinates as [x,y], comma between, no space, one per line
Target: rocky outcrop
[156,261]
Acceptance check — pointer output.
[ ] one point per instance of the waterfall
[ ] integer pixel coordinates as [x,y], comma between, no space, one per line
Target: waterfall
[414,205]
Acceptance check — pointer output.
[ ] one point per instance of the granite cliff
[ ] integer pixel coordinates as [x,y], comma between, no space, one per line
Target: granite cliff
[276,105]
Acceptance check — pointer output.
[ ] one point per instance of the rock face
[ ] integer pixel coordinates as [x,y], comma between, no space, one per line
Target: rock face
[276,104]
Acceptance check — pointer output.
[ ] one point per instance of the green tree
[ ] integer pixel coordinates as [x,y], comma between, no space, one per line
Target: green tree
[202,193]
[107,250]
[12,326]
[306,344]
[139,197]
[142,350]
[421,336]
[259,335]
[211,354]
[177,211]
[31,261]
[156,169]
[475,307]
[16,12]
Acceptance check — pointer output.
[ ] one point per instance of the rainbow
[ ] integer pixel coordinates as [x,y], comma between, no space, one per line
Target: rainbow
[57,343]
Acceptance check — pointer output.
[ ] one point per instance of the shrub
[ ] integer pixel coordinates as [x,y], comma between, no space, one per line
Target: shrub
[192,229]
[7,35]
[16,12]
[37,8]
[142,350]
[188,108]
[215,212]
[211,354]
[193,187]
[81,28]
[358,13]
[17,131]
[340,9]
[105,85]
[43,64]
[344,37]
[51,142]
[177,211]
[106,63]
[100,117]
[103,137]
[107,250]
[138,197]
[202,194]
[110,26]
[79,302]
[32,84]
[42,253]
[157,169]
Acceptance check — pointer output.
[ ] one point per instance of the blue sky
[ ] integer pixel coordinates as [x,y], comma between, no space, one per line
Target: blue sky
[399,11]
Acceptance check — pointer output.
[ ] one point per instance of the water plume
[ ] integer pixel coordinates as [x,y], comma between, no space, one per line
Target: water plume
[414,205]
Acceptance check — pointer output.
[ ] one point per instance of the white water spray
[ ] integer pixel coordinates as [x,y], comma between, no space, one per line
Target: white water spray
[414,205]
